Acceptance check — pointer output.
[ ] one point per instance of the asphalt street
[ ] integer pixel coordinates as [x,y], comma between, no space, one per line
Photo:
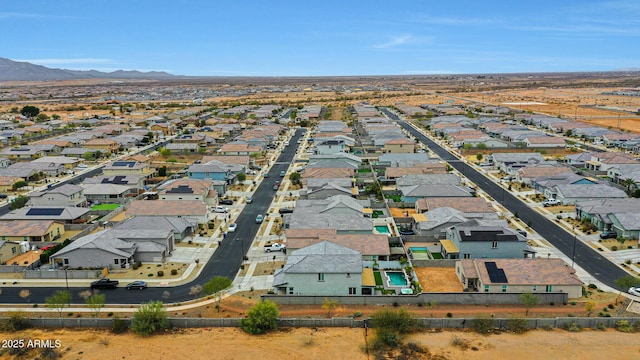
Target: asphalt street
[225,261]
[585,256]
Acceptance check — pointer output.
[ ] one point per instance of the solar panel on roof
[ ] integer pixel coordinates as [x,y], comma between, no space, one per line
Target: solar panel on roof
[124,163]
[181,189]
[496,275]
[45,211]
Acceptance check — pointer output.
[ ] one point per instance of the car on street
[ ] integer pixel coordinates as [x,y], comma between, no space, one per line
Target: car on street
[226,202]
[259,219]
[104,284]
[285,210]
[138,284]
[608,234]
[276,187]
[275,247]
[266,175]
[220,209]
[232,227]
[634,291]
[282,173]
[83,166]
[249,199]
[551,202]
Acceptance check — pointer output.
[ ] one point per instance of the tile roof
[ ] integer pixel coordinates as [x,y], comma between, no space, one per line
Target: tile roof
[25,227]
[527,271]
[167,208]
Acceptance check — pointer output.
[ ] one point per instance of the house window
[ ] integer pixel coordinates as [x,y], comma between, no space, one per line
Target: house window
[65,261]
[535,288]
[486,288]
[115,261]
[321,277]
[504,288]
[13,250]
[352,291]
[291,291]
[348,275]
[549,288]
[4,238]
[467,256]
[25,238]
[494,245]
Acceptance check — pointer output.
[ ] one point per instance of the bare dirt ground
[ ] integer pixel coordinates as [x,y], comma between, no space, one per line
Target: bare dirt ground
[442,279]
[326,343]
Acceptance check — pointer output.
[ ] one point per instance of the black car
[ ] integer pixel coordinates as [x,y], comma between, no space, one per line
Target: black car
[285,211]
[138,284]
[608,234]
[406,232]
[104,284]
[226,202]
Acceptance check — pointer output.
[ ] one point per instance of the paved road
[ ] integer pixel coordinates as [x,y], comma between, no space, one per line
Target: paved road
[585,256]
[225,261]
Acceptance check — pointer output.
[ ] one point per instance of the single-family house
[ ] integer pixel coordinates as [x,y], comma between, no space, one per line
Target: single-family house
[8,250]
[484,239]
[30,230]
[189,189]
[192,210]
[108,193]
[61,196]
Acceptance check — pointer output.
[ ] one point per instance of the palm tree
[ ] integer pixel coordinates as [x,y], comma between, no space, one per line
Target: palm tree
[628,182]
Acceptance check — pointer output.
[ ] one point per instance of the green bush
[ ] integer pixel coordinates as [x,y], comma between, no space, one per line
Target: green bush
[118,326]
[572,326]
[149,318]
[517,325]
[483,325]
[174,272]
[624,326]
[160,273]
[15,322]
[261,318]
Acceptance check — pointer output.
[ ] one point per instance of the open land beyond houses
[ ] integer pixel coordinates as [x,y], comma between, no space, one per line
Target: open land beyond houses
[329,343]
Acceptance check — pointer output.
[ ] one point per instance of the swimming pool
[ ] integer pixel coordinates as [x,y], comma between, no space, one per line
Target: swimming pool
[419,250]
[396,278]
[382,229]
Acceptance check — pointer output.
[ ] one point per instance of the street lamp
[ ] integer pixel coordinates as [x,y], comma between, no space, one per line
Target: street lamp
[66,280]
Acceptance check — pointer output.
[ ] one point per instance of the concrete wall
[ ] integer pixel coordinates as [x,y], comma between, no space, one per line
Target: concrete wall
[465,298]
[434,323]
[434,263]
[60,274]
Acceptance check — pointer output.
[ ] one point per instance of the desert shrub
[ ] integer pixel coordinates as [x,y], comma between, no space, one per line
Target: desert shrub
[160,273]
[572,326]
[262,317]
[149,318]
[118,326]
[624,326]
[174,271]
[449,315]
[517,325]
[460,342]
[391,326]
[15,322]
[483,325]
[611,306]
[592,286]
[601,327]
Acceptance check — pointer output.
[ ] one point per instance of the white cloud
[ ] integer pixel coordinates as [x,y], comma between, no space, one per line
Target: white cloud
[401,40]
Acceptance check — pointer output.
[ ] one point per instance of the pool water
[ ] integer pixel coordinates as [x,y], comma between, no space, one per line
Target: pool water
[396,278]
[419,250]
[382,229]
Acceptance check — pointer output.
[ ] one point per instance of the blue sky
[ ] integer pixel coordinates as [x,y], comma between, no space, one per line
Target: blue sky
[317,38]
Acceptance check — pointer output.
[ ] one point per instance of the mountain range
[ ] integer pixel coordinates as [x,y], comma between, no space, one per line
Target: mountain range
[23,71]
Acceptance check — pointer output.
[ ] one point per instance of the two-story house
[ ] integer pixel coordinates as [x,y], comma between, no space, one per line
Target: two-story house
[478,239]
[67,195]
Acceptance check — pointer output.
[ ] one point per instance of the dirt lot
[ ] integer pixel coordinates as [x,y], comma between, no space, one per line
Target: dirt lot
[438,279]
[327,343]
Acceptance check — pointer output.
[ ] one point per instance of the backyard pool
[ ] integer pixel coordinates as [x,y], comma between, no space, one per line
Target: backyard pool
[382,229]
[419,250]
[396,278]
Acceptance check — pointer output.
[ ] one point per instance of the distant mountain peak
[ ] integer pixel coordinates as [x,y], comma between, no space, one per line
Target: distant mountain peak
[24,71]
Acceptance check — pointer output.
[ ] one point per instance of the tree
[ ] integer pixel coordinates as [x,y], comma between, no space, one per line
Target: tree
[529,300]
[164,152]
[295,178]
[628,182]
[55,116]
[18,184]
[162,171]
[241,177]
[96,303]
[626,282]
[149,318]
[215,287]
[330,305]
[391,325]
[30,111]
[481,146]
[59,300]
[42,117]
[479,156]
[262,317]
[18,202]
[467,146]
[589,307]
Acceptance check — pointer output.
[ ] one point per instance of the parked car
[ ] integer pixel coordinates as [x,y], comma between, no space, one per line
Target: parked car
[634,291]
[232,227]
[220,209]
[406,232]
[282,173]
[138,284]
[285,210]
[259,219]
[266,175]
[226,202]
[104,284]
[276,187]
[249,199]
[83,166]
[275,247]
[551,202]
[608,234]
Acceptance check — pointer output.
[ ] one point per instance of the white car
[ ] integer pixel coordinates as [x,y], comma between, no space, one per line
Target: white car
[634,291]
[232,227]
[220,209]
[551,202]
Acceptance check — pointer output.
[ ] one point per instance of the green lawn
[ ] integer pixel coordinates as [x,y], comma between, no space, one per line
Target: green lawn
[376,274]
[436,255]
[105,207]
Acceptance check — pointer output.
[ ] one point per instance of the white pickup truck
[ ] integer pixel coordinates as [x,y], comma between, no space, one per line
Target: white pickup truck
[275,247]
